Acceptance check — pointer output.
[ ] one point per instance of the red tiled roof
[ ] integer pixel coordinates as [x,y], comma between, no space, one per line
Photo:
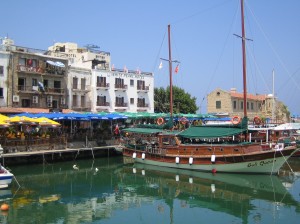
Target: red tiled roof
[15,110]
[249,96]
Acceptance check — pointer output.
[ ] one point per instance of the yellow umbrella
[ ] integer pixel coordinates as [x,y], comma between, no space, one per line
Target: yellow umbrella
[3,117]
[3,124]
[20,120]
[43,121]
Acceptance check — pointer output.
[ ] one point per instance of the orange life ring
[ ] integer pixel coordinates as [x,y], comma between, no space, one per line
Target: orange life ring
[183,120]
[257,120]
[160,121]
[235,120]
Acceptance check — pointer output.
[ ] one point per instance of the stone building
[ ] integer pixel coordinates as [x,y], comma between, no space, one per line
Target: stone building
[34,79]
[231,103]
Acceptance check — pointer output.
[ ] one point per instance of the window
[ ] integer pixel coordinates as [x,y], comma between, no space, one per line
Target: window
[25,103]
[82,101]
[101,101]
[22,84]
[1,92]
[46,83]
[1,70]
[34,82]
[119,101]
[218,104]
[131,82]
[75,82]
[83,84]
[252,106]
[242,105]
[141,84]
[247,105]
[131,100]
[234,105]
[119,83]
[74,101]
[259,106]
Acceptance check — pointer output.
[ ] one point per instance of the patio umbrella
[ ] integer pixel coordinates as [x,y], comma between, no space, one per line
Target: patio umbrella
[3,124]
[20,120]
[43,121]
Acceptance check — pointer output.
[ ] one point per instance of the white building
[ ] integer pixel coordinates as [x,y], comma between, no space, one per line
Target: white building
[4,64]
[92,86]
[118,90]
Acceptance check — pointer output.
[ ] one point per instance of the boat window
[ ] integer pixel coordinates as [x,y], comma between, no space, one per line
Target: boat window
[209,149]
[221,149]
[236,150]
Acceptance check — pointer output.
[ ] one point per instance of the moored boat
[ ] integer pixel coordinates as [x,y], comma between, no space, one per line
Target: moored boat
[205,148]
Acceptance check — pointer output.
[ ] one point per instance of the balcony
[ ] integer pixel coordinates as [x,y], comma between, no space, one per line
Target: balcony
[143,105]
[29,69]
[142,88]
[82,89]
[103,104]
[34,89]
[121,105]
[102,85]
[121,87]
[83,107]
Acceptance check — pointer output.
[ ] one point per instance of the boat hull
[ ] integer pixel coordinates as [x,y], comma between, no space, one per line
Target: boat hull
[270,162]
[5,178]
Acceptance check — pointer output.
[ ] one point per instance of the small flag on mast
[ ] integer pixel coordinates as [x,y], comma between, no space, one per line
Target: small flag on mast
[160,65]
[176,69]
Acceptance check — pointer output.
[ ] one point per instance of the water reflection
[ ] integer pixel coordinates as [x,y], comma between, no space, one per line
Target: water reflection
[107,191]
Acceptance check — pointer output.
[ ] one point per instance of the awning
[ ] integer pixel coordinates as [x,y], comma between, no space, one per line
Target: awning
[143,130]
[51,62]
[57,63]
[210,132]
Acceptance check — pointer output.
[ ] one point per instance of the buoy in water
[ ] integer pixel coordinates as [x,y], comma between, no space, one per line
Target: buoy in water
[4,207]
[214,170]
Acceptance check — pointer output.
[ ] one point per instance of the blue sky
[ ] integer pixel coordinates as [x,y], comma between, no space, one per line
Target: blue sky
[135,33]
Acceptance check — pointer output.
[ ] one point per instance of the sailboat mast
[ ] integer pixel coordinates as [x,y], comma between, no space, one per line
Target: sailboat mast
[170,71]
[244,59]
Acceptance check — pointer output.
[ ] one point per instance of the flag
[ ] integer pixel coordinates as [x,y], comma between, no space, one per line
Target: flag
[112,67]
[176,69]
[41,86]
[160,65]
[125,69]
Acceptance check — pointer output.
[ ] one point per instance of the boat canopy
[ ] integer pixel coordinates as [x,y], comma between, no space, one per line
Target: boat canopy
[210,132]
[143,130]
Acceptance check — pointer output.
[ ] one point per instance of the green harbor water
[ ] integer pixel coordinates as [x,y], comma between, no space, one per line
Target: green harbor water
[107,191]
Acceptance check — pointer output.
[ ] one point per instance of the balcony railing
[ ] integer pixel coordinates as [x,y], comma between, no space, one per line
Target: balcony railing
[30,89]
[143,88]
[121,87]
[103,104]
[142,105]
[103,85]
[23,68]
[86,88]
[121,105]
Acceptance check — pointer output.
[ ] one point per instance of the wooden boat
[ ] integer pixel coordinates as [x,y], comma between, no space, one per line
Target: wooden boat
[204,148]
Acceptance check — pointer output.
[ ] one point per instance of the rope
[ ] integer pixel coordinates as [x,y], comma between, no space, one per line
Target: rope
[287,162]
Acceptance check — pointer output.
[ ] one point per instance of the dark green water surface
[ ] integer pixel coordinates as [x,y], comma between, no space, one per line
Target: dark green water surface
[117,193]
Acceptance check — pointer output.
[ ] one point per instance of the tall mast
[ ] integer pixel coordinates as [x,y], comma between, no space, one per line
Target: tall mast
[170,71]
[273,103]
[244,59]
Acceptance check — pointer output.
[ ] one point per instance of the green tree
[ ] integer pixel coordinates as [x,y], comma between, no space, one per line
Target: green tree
[182,101]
